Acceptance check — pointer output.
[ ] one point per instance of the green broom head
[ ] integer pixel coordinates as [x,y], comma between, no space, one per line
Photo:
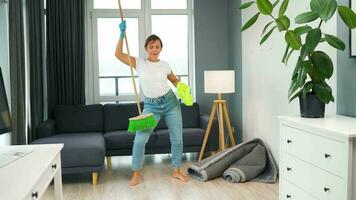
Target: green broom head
[142,122]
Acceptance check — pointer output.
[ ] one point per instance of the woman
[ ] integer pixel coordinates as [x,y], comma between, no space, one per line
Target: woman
[159,100]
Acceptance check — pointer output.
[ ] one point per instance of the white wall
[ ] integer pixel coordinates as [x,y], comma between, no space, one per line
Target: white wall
[266,79]
[4,60]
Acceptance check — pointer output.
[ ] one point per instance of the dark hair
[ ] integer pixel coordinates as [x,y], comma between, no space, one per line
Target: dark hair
[153,38]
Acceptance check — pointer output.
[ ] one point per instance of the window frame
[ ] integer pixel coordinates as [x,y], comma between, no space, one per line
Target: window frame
[144,19]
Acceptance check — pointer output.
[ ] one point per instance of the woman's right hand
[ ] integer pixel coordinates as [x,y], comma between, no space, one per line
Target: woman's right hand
[122,27]
[118,52]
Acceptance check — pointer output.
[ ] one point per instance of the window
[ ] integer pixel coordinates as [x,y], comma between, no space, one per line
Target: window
[109,80]
[171,4]
[175,38]
[112,4]
[114,76]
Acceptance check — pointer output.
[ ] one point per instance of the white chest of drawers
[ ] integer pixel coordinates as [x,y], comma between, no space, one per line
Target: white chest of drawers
[28,177]
[317,158]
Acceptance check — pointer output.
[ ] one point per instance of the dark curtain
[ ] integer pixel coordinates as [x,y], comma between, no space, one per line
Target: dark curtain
[35,28]
[17,71]
[65,53]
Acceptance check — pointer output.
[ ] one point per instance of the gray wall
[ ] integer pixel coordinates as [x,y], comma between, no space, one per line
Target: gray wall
[235,61]
[211,44]
[346,72]
[218,46]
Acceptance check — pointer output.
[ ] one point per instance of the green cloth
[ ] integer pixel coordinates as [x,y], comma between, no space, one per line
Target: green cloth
[183,91]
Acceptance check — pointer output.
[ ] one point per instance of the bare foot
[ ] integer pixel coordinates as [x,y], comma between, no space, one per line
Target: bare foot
[135,179]
[179,175]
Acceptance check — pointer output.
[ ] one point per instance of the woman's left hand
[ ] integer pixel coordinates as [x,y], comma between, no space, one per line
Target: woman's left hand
[183,91]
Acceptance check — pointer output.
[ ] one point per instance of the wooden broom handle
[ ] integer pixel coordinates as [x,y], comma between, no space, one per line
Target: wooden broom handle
[130,63]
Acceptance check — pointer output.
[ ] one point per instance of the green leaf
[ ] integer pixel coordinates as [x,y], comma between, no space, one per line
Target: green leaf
[323,92]
[312,39]
[302,73]
[324,8]
[296,68]
[293,40]
[315,75]
[247,4]
[328,9]
[283,23]
[265,28]
[264,6]
[348,16]
[303,52]
[250,22]
[322,63]
[275,3]
[285,54]
[264,38]
[295,96]
[316,5]
[290,53]
[307,87]
[306,17]
[293,87]
[335,42]
[283,8]
[330,94]
[322,39]
[302,30]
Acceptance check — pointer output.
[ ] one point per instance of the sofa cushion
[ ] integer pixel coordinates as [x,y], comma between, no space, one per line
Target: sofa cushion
[124,140]
[191,137]
[190,117]
[116,116]
[79,118]
[80,149]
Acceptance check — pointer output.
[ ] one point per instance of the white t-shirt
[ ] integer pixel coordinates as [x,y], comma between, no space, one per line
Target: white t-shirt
[153,77]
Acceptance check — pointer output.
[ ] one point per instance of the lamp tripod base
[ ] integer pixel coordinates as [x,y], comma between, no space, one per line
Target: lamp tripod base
[219,105]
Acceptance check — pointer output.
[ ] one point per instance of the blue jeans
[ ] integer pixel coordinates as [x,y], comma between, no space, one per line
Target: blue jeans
[167,107]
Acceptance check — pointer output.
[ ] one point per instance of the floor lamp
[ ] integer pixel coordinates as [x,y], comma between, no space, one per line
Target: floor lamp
[219,82]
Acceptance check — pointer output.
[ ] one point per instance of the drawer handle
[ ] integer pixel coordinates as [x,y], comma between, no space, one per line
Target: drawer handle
[289,141]
[327,155]
[54,166]
[35,195]
[289,169]
[326,189]
[288,196]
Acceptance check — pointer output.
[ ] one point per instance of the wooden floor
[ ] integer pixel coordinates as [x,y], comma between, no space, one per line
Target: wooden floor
[157,184]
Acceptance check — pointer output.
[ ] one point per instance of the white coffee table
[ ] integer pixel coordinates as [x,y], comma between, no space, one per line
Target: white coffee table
[29,176]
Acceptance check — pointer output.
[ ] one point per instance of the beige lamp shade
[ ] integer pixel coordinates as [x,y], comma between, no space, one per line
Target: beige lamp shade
[219,81]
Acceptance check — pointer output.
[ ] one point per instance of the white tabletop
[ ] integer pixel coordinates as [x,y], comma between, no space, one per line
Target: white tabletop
[18,177]
[342,125]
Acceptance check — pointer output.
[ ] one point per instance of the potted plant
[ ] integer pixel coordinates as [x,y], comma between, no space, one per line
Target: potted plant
[313,66]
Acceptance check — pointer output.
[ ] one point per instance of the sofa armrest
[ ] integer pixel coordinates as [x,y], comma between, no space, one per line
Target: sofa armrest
[213,140]
[46,128]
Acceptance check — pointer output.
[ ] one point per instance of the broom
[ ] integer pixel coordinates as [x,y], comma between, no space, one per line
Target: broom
[143,121]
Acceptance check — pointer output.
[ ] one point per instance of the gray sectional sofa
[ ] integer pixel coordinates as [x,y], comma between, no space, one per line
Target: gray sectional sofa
[91,132]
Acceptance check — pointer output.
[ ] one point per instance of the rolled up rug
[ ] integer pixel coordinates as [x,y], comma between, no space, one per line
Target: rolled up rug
[214,166]
[248,167]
